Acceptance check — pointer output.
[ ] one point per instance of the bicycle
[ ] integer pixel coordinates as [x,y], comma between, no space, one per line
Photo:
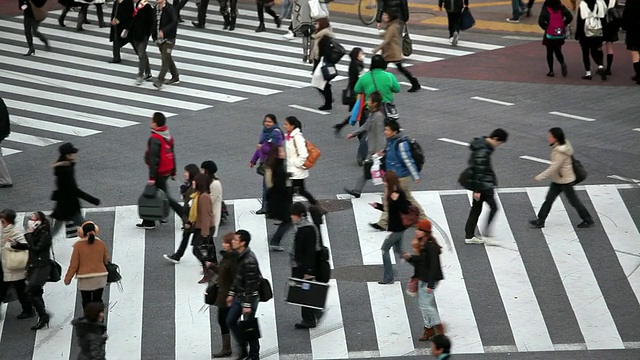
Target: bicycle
[367,10]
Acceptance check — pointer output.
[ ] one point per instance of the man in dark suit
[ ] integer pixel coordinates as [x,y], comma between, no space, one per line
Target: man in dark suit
[164,34]
[5,179]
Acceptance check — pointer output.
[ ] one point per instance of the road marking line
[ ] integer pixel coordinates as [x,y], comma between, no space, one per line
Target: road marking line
[52,126]
[500,349]
[527,38]
[451,141]
[570,347]
[526,157]
[309,109]
[9,151]
[492,101]
[31,140]
[422,87]
[622,178]
[636,129]
[571,116]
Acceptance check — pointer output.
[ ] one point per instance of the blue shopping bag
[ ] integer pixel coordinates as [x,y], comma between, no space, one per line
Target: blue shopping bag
[358,108]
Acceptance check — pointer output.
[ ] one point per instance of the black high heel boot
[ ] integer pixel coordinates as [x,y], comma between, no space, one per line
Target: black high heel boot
[232,23]
[30,52]
[43,317]
[42,322]
[227,22]
[63,15]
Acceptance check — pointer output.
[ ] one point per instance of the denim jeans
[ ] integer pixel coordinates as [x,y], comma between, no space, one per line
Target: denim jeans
[393,240]
[265,191]
[235,313]
[143,58]
[427,305]
[516,6]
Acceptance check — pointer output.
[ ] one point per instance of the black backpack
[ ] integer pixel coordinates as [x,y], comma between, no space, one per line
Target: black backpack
[416,151]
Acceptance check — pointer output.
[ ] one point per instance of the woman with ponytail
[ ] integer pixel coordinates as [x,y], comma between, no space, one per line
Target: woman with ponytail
[88,264]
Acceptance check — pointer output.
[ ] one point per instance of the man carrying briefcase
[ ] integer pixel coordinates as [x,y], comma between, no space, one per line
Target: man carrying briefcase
[161,161]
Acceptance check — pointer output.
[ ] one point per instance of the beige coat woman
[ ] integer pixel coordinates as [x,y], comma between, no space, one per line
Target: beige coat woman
[560,171]
[11,235]
[390,46]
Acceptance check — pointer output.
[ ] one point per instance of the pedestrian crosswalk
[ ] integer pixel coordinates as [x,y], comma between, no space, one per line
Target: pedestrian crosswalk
[553,289]
[73,92]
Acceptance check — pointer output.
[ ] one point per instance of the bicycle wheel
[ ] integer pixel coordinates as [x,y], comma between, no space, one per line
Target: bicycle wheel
[367,10]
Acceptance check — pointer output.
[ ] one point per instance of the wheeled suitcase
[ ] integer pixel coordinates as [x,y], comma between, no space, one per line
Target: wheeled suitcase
[153,204]
[307,293]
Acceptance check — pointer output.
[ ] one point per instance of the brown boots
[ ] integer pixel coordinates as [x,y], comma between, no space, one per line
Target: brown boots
[226,347]
[430,332]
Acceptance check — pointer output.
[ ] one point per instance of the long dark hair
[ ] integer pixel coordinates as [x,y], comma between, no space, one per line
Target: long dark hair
[558,134]
[202,184]
[293,121]
[272,157]
[391,182]
[553,4]
[44,222]
[323,23]
[430,239]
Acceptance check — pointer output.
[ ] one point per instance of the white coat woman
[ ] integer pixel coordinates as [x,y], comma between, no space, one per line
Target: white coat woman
[13,277]
[296,149]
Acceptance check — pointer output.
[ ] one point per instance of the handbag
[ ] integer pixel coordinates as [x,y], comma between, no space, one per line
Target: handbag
[211,294]
[315,10]
[407,44]
[366,168]
[55,270]
[39,13]
[466,20]
[579,170]
[464,178]
[411,217]
[264,290]
[260,169]
[250,328]
[348,96]
[113,272]
[13,259]
[329,71]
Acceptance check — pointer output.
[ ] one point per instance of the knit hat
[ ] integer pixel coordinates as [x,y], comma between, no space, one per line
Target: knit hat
[210,167]
[424,225]
[67,148]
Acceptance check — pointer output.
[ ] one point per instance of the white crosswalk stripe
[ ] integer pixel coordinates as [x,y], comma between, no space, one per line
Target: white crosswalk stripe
[390,314]
[65,92]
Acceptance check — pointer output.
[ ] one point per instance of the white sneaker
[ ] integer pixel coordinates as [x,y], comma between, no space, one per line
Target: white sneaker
[139,80]
[454,41]
[474,240]
[289,35]
[171,259]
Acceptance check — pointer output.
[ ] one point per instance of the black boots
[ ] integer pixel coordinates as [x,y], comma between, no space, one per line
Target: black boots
[260,27]
[100,15]
[63,15]
[43,317]
[227,22]
[226,347]
[232,23]
[415,85]
[30,52]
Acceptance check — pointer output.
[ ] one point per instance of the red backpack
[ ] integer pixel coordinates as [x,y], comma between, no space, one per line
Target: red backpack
[556,28]
[167,160]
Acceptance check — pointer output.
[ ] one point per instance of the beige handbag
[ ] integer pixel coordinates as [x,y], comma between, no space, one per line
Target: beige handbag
[13,259]
[39,13]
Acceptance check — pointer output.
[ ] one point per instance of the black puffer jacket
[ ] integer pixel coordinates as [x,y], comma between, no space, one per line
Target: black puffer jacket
[304,249]
[427,264]
[92,338]
[5,126]
[247,280]
[482,176]
[39,246]
[398,7]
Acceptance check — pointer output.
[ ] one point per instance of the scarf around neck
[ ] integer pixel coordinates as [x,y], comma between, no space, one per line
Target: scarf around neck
[315,51]
[270,135]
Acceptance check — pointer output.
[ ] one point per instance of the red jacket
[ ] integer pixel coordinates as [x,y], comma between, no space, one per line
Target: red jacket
[160,156]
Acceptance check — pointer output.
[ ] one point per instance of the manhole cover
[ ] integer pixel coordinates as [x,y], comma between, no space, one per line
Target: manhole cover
[333,205]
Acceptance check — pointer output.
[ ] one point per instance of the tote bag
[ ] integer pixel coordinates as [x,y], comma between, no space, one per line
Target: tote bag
[14,259]
[466,20]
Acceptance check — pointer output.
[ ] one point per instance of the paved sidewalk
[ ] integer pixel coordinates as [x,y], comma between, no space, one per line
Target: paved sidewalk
[490,15]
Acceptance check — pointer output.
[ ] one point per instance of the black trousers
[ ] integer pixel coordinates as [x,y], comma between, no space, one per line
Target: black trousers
[262,9]
[89,296]
[178,5]
[118,43]
[476,208]
[21,291]
[31,28]
[554,50]
[327,93]
[297,187]
[591,46]
[570,193]
[229,8]
[280,232]
[454,19]
[202,11]
[223,312]
[161,183]
[404,71]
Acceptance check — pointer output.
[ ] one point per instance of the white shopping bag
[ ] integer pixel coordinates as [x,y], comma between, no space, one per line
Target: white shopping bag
[376,173]
[317,79]
[316,10]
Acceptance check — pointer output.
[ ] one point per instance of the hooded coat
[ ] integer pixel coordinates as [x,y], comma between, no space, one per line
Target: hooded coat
[92,339]
[560,171]
[11,235]
[67,194]
[153,154]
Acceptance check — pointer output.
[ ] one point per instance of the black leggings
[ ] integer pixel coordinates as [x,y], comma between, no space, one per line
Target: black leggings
[454,22]
[593,46]
[404,71]
[223,312]
[91,296]
[297,186]
[262,9]
[551,50]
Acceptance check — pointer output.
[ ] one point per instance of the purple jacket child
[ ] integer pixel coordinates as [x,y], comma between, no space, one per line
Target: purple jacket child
[271,136]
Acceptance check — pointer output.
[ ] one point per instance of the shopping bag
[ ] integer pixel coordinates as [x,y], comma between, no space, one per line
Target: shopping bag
[466,20]
[376,171]
[356,112]
[317,79]
[315,10]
